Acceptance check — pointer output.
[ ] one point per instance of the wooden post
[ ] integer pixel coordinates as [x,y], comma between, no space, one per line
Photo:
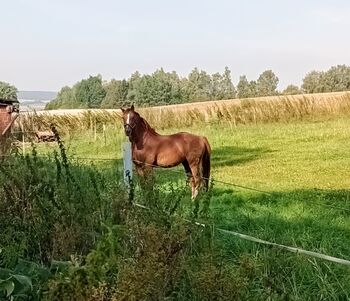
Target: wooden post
[23,142]
[95,131]
[127,160]
[104,134]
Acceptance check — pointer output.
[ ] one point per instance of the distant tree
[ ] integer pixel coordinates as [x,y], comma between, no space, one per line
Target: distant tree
[291,90]
[312,82]
[159,88]
[65,99]
[199,86]
[90,91]
[229,90]
[217,91]
[177,90]
[168,87]
[267,83]
[153,90]
[133,83]
[116,94]
[337,78]
[222,86]
[253,89]
[8,91]
[243,89]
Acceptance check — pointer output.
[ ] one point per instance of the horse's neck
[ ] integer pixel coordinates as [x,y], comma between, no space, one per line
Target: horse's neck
[143,133]
[148,129]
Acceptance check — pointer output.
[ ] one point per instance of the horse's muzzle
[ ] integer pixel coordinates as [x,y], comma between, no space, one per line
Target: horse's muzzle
[128,130]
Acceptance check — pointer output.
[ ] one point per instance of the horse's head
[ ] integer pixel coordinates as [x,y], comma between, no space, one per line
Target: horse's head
[131,120]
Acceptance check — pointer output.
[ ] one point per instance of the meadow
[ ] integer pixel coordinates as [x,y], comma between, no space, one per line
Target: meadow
[297,166]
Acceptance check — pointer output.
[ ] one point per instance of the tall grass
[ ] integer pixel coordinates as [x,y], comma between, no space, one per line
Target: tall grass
[68,232]
[135,254]
[233,112]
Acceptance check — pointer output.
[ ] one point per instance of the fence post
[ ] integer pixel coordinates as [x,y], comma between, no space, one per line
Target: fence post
[127,160]
[104,134]
[23,141]
[95,131]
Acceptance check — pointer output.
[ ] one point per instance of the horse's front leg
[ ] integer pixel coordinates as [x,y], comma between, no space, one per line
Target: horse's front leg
[145,176]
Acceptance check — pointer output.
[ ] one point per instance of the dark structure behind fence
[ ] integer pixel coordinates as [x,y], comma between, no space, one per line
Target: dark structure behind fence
[8,113]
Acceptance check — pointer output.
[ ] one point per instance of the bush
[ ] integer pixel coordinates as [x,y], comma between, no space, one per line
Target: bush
[81,239]
[51,207]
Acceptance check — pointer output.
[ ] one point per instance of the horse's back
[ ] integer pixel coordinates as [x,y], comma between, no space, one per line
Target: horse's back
[186,137]
[189,143]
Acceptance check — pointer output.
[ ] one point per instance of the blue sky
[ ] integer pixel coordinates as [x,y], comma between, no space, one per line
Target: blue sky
[49,44]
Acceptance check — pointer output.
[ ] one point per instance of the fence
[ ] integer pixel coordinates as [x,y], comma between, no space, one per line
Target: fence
[128,171]
[127,158]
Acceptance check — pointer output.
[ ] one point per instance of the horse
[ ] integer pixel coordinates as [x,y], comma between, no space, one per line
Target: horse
[150,149]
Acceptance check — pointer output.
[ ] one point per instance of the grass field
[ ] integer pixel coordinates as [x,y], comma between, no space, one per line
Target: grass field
[295,156]
[304,165]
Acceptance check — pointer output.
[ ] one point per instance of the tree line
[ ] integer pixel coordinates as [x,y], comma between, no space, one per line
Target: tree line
[158,88]
[163,88]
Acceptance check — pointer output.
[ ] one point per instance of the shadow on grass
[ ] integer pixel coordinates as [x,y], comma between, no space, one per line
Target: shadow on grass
[229,155]
[306,218]
[310,219]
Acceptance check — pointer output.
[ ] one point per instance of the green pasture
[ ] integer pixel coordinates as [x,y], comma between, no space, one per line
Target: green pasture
[302,172]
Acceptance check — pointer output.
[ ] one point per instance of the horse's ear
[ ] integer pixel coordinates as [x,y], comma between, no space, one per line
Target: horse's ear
[132,107]
[123,110]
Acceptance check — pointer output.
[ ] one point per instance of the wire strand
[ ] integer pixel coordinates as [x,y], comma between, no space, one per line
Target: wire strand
[268,243]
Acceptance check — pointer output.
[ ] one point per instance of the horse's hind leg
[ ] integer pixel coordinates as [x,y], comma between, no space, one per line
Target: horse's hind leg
[187,170]
[188,174]
[195,179]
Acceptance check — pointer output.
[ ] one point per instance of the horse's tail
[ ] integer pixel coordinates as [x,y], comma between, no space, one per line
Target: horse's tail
[206,163]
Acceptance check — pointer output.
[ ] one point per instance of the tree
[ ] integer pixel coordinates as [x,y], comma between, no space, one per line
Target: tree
[243,90]
[159,88]
[133,83]
[337,78]
[116,94]
[8,91]
[167,87]
[198,86]
[229,90]
[65,99]
[312,82]
[90,91]
[253,88]
[221,86]
[291,90]
[217,91]
[152,90]
[267,83]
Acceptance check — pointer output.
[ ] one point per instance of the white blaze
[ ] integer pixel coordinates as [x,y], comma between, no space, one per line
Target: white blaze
[128,119]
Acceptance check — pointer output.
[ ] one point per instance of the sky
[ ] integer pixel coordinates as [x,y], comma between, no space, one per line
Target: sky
[49,44]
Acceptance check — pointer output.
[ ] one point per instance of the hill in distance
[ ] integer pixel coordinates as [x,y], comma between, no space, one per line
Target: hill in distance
[34,100]
[36,95]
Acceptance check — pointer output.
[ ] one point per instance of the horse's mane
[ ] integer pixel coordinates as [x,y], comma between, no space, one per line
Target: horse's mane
[148,127]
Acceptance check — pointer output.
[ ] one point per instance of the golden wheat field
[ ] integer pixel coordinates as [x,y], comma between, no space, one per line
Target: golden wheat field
[234,111]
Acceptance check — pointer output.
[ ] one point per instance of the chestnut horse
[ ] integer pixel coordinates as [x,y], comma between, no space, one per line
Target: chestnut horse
[150,149]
